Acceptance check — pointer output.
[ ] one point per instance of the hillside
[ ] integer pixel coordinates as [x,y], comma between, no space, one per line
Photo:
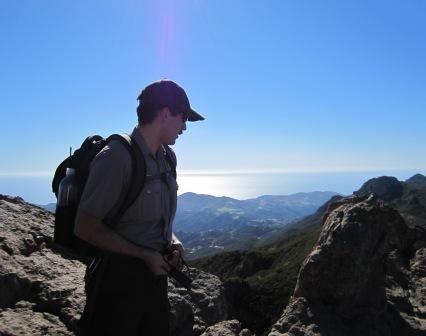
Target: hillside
[259,282]
[200,213]
[264,278]
[408,197]
[208,224]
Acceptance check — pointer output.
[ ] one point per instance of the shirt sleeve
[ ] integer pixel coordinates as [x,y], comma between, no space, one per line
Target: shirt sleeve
[109,173]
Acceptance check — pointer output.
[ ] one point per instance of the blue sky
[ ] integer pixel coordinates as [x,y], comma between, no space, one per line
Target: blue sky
[284,85]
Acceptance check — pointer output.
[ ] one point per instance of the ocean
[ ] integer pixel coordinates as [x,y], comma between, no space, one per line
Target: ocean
[37,189]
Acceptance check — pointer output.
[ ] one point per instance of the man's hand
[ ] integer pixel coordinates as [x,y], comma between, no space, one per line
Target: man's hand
[176,255]
[175,259]
[155,262]
[177,246]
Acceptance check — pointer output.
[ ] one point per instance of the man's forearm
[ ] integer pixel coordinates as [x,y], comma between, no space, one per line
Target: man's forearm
[91,230]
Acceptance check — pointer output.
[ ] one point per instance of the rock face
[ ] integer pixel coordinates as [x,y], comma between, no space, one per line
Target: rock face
[227,328]
[204,305]
[365,276]
[42,291]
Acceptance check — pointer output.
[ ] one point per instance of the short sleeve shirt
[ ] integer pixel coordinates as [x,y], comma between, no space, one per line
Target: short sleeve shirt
[148,222]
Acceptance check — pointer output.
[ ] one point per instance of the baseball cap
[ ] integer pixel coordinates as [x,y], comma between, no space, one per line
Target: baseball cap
[168,93]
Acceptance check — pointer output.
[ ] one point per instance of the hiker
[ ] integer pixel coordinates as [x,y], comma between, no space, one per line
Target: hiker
[129,286]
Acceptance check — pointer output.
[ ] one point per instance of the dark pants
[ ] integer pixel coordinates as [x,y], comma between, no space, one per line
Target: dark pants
[125,298]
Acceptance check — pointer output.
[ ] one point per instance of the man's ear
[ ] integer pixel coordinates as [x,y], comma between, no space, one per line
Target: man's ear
[164,113]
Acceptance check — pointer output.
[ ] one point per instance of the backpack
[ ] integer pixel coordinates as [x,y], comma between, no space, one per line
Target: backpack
[80,161]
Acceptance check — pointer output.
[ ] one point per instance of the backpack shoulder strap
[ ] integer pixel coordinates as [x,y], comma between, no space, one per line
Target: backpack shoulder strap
[138,176]
[171,159]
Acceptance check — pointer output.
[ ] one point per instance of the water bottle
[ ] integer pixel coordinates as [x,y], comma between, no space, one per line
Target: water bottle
[66,208]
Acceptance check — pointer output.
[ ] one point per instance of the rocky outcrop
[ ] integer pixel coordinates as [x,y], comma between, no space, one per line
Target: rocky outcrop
[227,328]
[41,288]
[202,306]
[364,277]
[24,320]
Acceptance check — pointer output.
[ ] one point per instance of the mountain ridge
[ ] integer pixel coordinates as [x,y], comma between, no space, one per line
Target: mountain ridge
[208,224]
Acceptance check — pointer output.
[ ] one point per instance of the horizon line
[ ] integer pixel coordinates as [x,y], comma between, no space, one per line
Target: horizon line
[294,171]
[219,172]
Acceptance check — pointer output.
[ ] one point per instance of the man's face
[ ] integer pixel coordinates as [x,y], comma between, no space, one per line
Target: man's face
[174,126]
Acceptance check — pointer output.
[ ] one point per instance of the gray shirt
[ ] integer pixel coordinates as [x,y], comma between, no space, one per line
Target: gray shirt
[148,222]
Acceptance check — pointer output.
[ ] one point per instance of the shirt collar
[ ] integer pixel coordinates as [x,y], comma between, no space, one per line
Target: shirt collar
[136,134]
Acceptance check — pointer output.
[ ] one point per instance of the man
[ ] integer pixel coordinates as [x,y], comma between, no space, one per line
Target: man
[130,297]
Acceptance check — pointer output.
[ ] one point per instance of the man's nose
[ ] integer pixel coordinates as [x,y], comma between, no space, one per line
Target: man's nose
[184,126]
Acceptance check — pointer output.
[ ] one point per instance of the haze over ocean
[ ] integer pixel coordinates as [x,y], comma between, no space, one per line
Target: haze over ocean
[37,189]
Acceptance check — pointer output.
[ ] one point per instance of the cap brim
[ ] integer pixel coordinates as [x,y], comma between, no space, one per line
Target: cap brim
[194,116]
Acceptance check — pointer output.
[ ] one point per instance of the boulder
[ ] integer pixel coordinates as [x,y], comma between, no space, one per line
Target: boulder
[227,328]
[195,309]
[358,280]
[23,320]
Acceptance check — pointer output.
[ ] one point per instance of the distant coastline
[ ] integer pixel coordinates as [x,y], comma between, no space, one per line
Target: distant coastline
[251,185]
[37,189]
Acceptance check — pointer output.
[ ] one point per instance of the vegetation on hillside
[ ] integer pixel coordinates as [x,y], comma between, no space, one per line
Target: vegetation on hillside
[259,283]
